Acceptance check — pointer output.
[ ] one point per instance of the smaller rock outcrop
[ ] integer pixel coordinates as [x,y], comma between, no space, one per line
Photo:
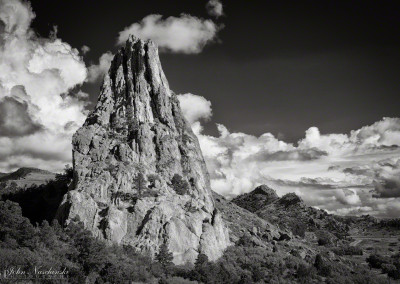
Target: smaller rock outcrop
[292,199]
[289,213]
[256,199]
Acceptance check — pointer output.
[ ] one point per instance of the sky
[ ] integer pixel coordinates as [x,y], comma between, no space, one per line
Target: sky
[300,95]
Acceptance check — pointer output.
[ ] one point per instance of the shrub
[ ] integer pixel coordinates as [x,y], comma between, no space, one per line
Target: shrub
[305,271]
[153,178]
[376,260]
[322,267]
[391,270]
[323,241]
[180,185]
[298,228]
[348,250]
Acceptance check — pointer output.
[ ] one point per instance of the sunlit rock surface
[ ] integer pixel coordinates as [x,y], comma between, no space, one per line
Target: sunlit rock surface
[139,174]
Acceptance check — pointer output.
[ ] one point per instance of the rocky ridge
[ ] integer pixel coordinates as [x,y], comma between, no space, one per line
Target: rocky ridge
[139,175]
[289,212]
[256,199]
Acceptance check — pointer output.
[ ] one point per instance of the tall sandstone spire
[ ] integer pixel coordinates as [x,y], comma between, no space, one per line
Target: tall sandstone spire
[139,175]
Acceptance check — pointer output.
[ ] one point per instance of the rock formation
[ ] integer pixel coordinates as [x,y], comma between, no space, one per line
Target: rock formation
[256,199]
[139,174]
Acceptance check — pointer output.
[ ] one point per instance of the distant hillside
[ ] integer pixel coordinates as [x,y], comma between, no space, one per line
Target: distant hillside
[22,173]
[25,177]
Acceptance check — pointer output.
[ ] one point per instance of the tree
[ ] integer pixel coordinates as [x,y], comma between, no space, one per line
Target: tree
[140,183]
[164,256]
[321,265]
[201,260]
[180,185]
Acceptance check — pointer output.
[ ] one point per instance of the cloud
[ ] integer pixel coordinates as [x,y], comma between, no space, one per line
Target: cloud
[15,120]
[316,183]
[16,17]
[343,173]
[385,132]
[387,187]
[387,178]
[36,76]
[382,135]
[214,8]
[85,49]
[184,34]
[291,155]
[383,174]
[195,108]
[97,71]
[347,196]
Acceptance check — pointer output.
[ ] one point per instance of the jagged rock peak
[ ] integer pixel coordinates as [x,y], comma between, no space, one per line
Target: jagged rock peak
[256,199]
[291,199]
[265,190]
[139,175]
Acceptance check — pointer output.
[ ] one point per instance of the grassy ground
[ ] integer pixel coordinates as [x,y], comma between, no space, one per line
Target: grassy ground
[384,241]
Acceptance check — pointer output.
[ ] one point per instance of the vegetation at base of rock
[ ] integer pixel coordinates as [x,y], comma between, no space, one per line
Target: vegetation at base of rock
[89,260]
[73,248]
[260,253]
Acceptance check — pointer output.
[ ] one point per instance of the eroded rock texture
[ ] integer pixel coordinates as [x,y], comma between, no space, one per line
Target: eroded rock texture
[139,174]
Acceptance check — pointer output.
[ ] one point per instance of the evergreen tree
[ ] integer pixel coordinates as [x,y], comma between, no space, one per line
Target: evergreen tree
[140,183]
[164,256]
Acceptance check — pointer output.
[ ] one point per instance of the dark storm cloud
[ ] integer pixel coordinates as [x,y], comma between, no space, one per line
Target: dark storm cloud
[292,155]
[387,183]
[385,175]
[387,187]
[15,120]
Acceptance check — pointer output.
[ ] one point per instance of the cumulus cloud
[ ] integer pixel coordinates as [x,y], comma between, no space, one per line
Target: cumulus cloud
[382,135]
[16,17]
[214,8]
[343,173]
[184,34]
[15,119]
[195,108]
[36,75]
[97,71]
[383,174]
[347,196]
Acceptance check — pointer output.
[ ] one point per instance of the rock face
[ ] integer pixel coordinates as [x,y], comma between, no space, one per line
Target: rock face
[139,174]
